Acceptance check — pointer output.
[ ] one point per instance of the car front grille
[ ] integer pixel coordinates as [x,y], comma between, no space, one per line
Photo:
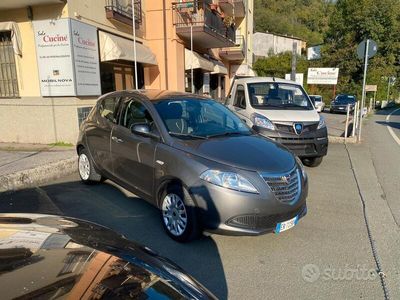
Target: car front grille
[265,221]
[288,128]
[286,187]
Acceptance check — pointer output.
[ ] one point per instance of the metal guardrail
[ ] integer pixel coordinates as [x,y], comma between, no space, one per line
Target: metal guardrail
[199,13]
[124,8]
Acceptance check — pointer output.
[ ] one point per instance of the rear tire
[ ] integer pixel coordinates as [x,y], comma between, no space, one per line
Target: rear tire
[86,170]
[178,214]
[312,161]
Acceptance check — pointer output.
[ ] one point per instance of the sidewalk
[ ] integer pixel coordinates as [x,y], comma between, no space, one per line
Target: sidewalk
[24,165]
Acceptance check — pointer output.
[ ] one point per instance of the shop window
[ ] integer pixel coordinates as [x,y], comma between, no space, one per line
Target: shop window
[120,76]
[8,71]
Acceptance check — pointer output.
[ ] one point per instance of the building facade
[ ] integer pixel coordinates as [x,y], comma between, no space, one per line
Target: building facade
[58,56]
[266,44]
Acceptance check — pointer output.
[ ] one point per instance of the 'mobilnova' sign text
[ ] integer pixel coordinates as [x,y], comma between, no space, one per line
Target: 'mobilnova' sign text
[322,75]
[68,58]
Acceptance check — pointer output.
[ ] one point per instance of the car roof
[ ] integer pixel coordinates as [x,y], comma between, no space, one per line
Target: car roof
[264,79]
[160,95]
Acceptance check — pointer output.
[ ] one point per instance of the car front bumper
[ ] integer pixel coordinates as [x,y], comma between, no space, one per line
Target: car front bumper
[230,212]
[341,108]
[310,144]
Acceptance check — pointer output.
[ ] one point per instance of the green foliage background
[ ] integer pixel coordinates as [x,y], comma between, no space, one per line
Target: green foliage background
[340,26]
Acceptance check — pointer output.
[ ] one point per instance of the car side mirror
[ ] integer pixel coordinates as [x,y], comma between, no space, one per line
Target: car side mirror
[144,130]
[313,101]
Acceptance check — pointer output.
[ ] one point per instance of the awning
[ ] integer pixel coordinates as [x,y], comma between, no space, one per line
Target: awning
[197,61]
[219,68]
[15,35]
[113,47]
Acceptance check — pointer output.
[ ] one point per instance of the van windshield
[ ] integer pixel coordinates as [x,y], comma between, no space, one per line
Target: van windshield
[273,95]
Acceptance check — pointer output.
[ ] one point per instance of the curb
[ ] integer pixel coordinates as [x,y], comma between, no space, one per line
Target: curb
[340,140]
[35,176]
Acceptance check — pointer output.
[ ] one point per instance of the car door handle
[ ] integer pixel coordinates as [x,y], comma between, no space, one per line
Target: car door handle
[117,140]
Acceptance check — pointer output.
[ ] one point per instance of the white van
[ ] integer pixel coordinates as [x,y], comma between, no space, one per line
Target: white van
[281,110]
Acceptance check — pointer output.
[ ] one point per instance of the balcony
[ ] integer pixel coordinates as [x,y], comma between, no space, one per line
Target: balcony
[12,4]
[209,29]
[236,53]
[240,8]
[226,6]
[121,11]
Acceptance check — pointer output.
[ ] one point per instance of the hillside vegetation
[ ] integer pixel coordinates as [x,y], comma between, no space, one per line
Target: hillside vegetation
[340,26]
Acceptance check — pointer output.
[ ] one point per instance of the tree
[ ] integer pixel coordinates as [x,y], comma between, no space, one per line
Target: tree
[351,22]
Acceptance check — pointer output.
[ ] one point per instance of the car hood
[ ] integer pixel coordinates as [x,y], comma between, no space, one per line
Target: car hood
[42,256]
[254,152]
[285,115]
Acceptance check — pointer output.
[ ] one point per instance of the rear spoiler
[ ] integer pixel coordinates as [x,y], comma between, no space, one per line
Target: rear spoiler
[231,86]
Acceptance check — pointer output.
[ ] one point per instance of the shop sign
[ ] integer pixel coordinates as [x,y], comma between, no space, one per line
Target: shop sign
[68,59]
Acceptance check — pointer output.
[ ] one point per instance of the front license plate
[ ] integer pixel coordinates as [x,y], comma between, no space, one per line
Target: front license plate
[341,107]
[283,226]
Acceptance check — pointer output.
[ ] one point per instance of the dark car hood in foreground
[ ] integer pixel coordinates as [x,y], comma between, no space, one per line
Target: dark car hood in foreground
[45,257]
[253,152]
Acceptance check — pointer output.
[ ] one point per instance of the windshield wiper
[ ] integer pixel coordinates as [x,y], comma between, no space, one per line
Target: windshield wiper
[177,134]
[226,134]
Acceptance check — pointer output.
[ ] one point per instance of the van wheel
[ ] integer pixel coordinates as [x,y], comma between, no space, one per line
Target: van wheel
[312,161]
[178,214]
[86,169]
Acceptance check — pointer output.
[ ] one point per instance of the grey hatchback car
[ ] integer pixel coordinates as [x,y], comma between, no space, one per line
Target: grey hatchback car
[195,160]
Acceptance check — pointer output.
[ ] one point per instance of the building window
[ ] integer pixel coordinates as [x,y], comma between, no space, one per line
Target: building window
[120,76]
[8,71]
[83,113]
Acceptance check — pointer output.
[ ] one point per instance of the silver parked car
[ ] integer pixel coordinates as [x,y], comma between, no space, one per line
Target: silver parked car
[196,161]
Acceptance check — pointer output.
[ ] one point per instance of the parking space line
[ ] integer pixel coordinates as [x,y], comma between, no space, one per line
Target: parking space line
[395,137]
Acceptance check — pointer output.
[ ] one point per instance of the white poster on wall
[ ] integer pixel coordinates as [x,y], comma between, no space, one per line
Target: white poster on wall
[322,75]
[86,59]
[54,57]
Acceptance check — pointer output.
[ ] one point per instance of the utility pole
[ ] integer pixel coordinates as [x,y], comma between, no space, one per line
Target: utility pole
[294,62]
[134,43]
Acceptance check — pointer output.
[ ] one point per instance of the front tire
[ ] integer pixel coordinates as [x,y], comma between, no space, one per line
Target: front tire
[312,161]
[86,170]
[178,214]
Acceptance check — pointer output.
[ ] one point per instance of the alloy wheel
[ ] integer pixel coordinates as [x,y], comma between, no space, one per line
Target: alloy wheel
[174,214]
[84,166]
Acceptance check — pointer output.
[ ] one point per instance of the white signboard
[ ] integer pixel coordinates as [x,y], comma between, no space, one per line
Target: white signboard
[314,52]
[322,75]
[86,59]
[68,58]
[299,78]
[54,57]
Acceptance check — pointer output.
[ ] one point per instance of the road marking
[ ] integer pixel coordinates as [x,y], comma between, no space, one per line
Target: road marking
[395,137]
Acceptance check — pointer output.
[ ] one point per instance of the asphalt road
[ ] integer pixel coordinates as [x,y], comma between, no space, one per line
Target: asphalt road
[336,123]
[332,239]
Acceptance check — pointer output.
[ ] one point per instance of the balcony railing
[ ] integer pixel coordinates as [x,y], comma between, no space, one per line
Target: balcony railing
[121,10]
[235,53]
[199,14]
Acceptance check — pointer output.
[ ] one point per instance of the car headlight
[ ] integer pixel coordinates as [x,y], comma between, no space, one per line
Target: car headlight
[321,123]
[261,121]
[229,180]
[301,166]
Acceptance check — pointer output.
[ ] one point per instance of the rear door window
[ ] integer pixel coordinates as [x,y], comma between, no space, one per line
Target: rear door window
[108,108]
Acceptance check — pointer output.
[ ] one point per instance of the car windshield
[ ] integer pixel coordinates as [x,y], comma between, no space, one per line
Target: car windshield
[272,95]
[197,118]
[316,98]
[345,99]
